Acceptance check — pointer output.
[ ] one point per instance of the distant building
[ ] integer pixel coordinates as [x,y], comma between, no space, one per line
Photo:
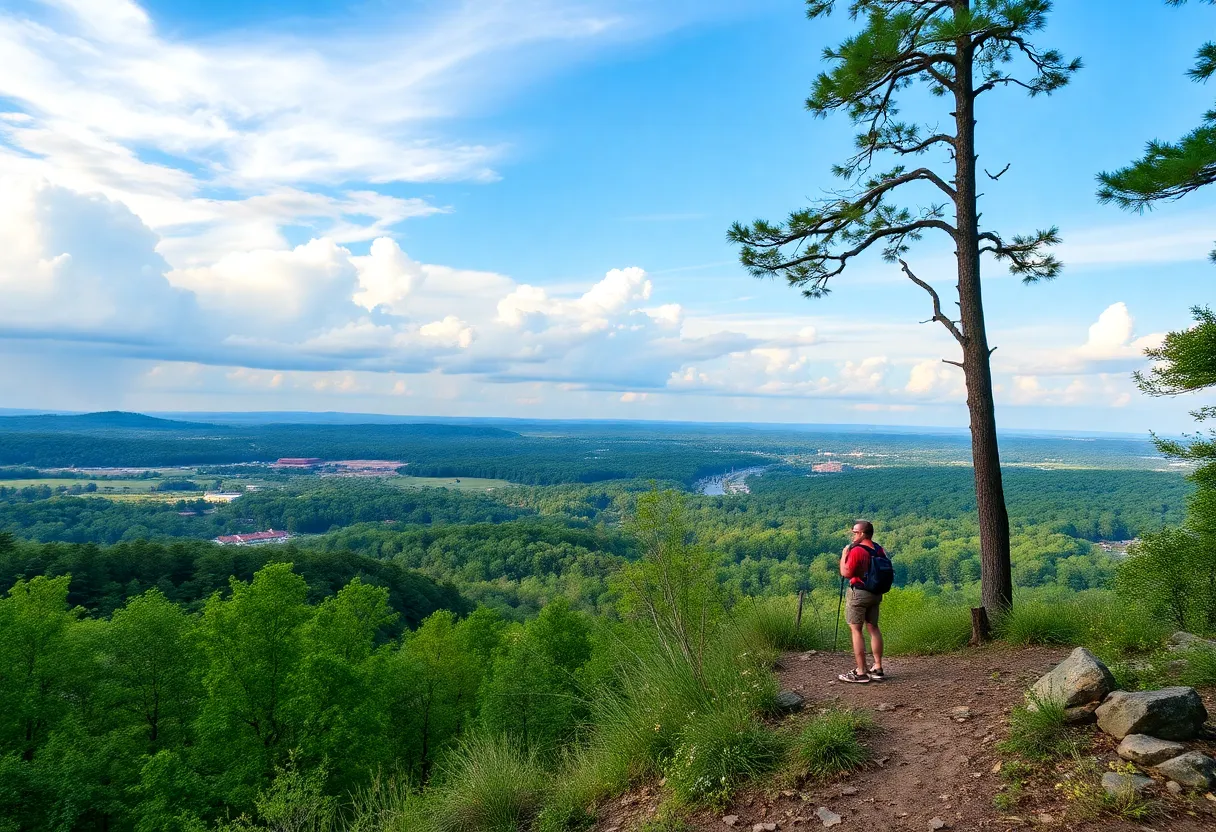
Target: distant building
[221,496]
[297,462]
[254,539]
[831,467]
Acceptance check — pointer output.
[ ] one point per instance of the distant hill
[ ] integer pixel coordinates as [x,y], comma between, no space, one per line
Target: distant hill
[105,420]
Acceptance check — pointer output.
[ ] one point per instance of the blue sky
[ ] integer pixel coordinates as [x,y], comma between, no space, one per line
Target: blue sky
[518,208]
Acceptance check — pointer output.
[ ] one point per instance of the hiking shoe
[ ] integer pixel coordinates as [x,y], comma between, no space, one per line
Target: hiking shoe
[854,676]
[876,674]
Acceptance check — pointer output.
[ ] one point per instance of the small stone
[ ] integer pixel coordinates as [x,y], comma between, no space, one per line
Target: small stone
[1118,784]
[788,702]
[1198,771]
[1173,787]
[1046,818]
[828,817]
[764,827]
[937,823]
[884,706]
[730,820]
[962,712]
[849,790]
[996,769]
[1148,751]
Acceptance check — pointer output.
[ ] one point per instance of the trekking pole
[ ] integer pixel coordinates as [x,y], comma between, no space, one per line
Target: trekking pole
[839,604]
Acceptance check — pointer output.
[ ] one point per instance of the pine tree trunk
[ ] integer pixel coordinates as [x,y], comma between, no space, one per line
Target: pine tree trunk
[996,577]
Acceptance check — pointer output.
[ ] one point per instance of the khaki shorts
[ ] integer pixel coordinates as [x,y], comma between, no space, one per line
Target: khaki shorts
[861,607]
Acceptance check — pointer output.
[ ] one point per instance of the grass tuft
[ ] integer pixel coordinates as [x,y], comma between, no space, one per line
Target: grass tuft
[770,623]
[1083,789]
[1039,622]
[829,744]
[489,786]
[1038,731]
[718,753]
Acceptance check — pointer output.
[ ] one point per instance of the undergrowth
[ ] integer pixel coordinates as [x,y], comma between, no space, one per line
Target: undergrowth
[490,786]
[1038,731]
[830,744]
[718,753]
[1083,789]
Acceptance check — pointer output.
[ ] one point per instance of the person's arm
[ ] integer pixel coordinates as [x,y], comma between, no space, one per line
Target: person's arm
[846,569]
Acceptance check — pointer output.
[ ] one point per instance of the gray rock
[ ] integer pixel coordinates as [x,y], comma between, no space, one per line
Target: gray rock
[788,702]
[1082,714]
[1173,787]
[1148,751]
[1175,713]
[1078,680]
[1181,641]
[730,820]
[1118,785]
[764,827]
[1192,769]
[828,817]
[937,823]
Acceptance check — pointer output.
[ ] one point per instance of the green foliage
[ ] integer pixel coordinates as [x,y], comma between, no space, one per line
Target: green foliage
[674,587]
[489,786]
[1173,574]
[829,744]
[719,752]
[913,622]
[1038,731]
[771,623]
[1040,622]
[1088,799]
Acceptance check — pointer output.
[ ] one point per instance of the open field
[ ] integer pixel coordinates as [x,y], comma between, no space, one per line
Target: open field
[454,483]
[104,487]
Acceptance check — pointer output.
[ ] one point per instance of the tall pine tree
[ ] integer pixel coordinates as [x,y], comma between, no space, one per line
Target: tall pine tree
[960,50]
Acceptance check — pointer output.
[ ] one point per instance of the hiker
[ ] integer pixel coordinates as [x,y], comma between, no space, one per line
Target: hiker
[868,570]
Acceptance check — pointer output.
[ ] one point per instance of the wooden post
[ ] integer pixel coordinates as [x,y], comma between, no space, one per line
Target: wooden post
[981,630]
[798,619]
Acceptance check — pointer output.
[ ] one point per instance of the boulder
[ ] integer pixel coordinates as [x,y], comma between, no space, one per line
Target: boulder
[1078,680]
[1148,751]
[1198,771]
[1182,640]
[1175,713]
[1118,784]
[1082,714]
[788,702]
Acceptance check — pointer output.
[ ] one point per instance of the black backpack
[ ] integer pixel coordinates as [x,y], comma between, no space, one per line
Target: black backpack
[881,574]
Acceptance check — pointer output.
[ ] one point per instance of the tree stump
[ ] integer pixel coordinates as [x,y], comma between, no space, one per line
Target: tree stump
[981,630]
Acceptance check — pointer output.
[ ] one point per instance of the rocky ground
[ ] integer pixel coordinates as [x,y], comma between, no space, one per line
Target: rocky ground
[935,763]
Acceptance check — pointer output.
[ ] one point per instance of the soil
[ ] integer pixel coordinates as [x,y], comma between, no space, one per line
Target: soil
[931,764]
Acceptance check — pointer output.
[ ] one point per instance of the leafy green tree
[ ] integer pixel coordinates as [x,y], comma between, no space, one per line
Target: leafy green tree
[533,694]
[958,50]
[1171,573]
[255,644]
[153,656]
[674,587]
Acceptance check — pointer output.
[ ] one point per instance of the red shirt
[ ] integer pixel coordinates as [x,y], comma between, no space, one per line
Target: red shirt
[858,563]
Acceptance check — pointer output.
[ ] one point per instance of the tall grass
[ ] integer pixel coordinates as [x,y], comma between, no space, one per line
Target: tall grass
[913,622]
[773,623]
[488,785]
[717,754]
[1039,731]
[1095,618]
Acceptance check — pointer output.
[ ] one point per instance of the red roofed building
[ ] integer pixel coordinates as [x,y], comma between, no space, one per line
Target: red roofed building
[297,462]
[252,539]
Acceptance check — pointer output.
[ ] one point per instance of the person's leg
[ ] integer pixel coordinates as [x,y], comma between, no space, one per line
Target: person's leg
[859,646]
[876,644]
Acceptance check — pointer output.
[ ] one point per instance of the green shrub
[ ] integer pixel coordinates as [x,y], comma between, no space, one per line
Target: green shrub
[829,744]
[582,780]
[1038,730]
[487,785]
[719,752]
[1200,667]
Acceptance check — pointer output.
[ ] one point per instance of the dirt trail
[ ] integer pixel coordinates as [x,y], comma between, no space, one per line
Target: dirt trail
[931,762]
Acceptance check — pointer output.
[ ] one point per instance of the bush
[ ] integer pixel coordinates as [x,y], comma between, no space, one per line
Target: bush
[1038,730]
[829,745]
[1200,667]
[487,785]
[717,753]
